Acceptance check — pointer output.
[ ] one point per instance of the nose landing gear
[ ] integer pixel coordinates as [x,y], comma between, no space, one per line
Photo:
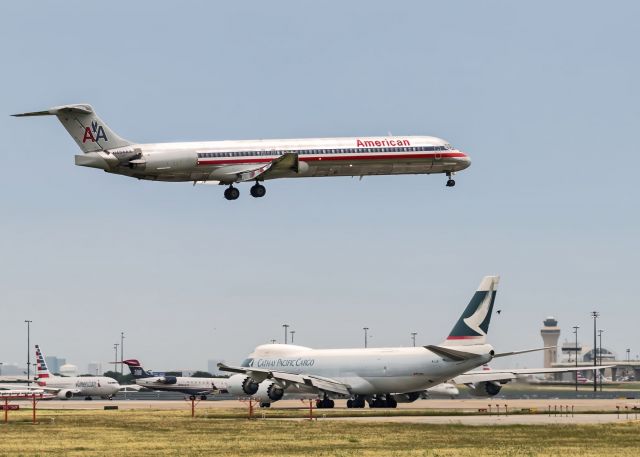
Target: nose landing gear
[450,181]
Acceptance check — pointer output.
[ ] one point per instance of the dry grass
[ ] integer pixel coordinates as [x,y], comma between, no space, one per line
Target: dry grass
[164,433]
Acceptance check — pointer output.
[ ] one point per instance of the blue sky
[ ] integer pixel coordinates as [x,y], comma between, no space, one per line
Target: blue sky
[543,97]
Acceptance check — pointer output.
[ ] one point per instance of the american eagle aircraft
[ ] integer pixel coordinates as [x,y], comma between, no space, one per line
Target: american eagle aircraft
[194,387]
[231,162]
[380,376]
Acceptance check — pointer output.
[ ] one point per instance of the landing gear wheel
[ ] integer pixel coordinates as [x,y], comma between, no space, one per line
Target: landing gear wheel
[358,402]
[349,403]
[450,182]
[258,190]
[88,398]
[231,193]
[203,397]
[265,405]
[325,403]
[192,397]
[391,402]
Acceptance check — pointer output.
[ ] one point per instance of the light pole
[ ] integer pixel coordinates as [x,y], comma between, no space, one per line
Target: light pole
[600,351]
[413,338]
[293,332]
[575,331]
[286,332]
[115,348]
[594,315]
[273,341]
[366,330]
[628,361]
[28,350]
[121,353]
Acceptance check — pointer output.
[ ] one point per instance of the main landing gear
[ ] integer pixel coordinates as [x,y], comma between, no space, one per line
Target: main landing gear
[357,402]
[450,181]
[325,403]
[257,191]
[383,401]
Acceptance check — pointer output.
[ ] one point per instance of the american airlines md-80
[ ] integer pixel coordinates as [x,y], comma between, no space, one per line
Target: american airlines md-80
[231,162]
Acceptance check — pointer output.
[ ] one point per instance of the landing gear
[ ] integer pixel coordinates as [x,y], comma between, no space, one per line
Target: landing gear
[325,403]
[383,401]
[203,397]
[357,402]
[192,397]
[231,193]
[88,398]
[265,405]
[258,190]
[450,181]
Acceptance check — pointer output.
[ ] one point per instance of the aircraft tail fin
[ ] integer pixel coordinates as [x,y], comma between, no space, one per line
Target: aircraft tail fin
[136,369]
[473,325]
[84,125]
[42,371]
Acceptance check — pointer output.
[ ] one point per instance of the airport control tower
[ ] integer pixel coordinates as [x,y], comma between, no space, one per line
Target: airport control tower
[550,334]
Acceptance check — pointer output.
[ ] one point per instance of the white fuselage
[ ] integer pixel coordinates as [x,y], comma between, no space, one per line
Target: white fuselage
[192,386]
[222,160]
[369,371]
[87,386]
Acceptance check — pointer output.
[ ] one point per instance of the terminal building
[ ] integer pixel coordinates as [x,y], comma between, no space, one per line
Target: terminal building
[574,353]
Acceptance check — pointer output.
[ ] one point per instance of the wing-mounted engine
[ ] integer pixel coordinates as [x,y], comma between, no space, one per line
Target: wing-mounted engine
[485,389]
[242,385]
[64,394]
[269,391]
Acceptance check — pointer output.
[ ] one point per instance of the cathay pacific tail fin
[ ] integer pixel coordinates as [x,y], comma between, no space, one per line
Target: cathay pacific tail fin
[473,325]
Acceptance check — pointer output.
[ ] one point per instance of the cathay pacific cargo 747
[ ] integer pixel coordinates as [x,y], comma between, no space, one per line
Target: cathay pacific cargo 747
[381,376]
[231,162]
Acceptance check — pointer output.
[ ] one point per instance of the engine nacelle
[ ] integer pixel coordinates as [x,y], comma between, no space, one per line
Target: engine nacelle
[242,385]
[406,398]
[168,380]
[486,389]
[64,394]
[269,391]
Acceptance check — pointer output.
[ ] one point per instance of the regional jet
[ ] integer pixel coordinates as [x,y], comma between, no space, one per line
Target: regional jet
[192,386]
[66,387]
[231,162]
[380,376]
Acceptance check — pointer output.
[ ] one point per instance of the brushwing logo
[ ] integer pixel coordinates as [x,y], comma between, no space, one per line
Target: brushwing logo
[477,318]
[94,133]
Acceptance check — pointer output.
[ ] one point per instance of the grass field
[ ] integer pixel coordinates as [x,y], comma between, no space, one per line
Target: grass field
[164,433]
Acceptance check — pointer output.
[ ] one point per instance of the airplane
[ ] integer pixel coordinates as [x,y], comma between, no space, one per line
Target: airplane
[24,393]
[231,162]
[66,387]
[380,376]
[488,382]
[194,387]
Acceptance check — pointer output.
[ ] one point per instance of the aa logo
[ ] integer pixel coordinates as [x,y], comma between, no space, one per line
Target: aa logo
[94,133]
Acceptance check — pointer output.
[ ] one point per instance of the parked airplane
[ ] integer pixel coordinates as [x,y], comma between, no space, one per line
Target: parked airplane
[67,387]
[381,376]
[231,162]
[488,382]
[194,387]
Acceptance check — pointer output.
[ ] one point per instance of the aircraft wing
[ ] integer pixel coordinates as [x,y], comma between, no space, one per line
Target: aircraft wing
[505,376]
[240,173]
[317,382]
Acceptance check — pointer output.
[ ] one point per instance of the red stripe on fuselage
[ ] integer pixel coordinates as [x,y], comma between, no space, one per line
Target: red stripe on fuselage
[328,157]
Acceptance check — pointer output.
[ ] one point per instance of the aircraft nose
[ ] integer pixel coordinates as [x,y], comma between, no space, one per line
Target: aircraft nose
[464,161]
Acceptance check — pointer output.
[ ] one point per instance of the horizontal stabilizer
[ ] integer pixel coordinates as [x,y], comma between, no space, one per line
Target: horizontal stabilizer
[452,354]
[505,354]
